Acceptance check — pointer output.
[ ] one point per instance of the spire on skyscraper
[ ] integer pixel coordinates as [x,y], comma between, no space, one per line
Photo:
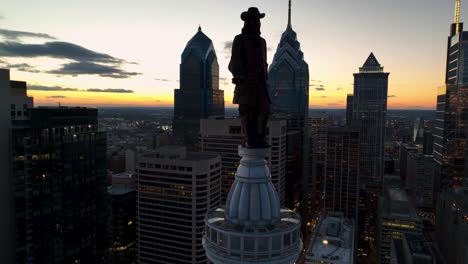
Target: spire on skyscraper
[289,15]
[199,28]
[457,16]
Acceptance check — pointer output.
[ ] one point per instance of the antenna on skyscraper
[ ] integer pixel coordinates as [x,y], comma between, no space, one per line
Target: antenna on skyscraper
[289,14]
[457,15]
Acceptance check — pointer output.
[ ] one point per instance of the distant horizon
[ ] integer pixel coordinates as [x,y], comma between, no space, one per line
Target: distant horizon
[90,54]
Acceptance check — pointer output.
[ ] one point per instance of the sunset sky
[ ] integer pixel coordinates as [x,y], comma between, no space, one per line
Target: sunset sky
[127,53]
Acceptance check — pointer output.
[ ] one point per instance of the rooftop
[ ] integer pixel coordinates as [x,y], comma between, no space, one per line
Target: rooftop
[333,241]
[178,153]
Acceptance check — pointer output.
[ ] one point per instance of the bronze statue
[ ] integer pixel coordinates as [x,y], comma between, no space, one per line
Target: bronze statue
[249,66]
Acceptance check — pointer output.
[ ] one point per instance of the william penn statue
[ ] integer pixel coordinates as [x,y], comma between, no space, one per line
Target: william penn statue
[248,66]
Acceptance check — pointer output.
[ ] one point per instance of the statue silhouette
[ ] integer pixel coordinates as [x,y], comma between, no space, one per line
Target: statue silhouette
[249,66]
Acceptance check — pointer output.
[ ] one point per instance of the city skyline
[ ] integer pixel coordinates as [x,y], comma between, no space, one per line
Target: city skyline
[135,62]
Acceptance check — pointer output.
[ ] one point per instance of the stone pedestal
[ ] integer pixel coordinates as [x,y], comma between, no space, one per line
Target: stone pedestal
[252,228]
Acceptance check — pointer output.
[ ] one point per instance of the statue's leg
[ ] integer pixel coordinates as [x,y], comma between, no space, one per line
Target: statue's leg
[264,114]
[247,116]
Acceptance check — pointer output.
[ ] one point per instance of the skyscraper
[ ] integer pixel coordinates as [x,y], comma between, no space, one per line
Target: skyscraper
[318,130]
[369,113]
[341,186]
[199,95]
[223,136]
[59,161]
[176,189]
[289,89]
[369,118]
[452,99]
[289,80]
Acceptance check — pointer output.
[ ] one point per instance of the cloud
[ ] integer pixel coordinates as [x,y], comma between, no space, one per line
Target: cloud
[335,104]
[392,96]
[2,17]
[94,90]
[56,97]
[15,35]
[320,89]
[67,89]
[50,88]
[227,46]
[20,67]
[339,88]
[324,96]
[162,80]
[55,49]
[90,68]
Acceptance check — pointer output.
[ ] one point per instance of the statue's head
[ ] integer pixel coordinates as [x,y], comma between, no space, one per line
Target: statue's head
[251,20]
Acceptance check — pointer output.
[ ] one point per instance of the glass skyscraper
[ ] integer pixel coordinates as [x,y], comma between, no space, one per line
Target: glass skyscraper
[199,95]
[369,113]
[288,77]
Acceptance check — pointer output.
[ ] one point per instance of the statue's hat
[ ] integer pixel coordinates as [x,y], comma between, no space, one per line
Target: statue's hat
[252,13]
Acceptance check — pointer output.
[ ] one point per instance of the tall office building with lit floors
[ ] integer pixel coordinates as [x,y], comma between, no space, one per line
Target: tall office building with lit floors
[252,228]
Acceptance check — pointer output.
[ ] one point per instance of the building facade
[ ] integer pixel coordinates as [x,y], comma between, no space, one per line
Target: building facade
[224,136]
[420,180]
[199,95]
[452,225]
[176,189]
[59,176]
[123,215]
[369,115]
[397,218]
[341,184]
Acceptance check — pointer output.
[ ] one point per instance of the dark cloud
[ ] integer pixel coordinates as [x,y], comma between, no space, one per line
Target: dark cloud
[392,96]
[320,89]
[162,80]
[56,49]
[67,89]
[15,35]
[56,97]
[90,68]
[339,88]
[324,96]
[335,104]
[20,67]
[50,88]
[94,90]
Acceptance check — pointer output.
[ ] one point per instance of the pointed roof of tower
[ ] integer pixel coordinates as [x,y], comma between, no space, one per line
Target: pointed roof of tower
[371,64]
[200,44]
[289,15]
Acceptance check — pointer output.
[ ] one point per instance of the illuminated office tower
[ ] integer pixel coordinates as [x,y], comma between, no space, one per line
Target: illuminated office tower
[251,227]
[176,189]
[223,136]
[59,161]
[397,218]
[452,99]
[341,184]
[288,77]
[199,95]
